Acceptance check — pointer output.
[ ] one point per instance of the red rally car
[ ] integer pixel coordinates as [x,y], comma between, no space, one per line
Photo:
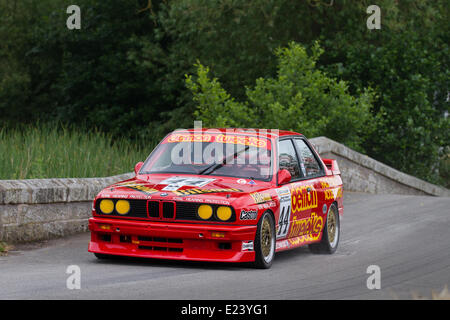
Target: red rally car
[230,195]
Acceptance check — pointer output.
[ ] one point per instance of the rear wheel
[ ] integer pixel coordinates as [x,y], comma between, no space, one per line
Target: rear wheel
[265,241]
[331,233]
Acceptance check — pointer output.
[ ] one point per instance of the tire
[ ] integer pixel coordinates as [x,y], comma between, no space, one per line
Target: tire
[331,233]
[265,241]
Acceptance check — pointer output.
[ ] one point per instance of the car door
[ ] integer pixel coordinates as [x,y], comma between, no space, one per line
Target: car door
[293,195]
[313,208]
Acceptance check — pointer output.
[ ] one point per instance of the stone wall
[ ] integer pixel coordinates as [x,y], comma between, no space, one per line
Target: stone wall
[362,173]
[38,209]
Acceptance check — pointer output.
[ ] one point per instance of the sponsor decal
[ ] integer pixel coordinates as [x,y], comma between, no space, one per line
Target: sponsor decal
[302,199]
[282,245]
[243,140]
[247,246]
[174,183]
[242,181]
[221,138]
[121,196]
[248,214]
[136,186]
[260,197]
[201,200]
[331,193]
[300,227]
[190,192]
[297,241]
[339,193]
[189,138]
[304,239]
[284,194]
[267,205]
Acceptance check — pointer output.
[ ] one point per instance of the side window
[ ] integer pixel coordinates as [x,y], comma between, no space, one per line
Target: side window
[309,165]
[288,159]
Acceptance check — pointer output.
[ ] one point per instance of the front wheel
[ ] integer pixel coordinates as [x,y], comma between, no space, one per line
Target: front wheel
[265,241]
[331,233]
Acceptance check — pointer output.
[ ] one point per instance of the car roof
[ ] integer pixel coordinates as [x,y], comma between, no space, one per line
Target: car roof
[266,133]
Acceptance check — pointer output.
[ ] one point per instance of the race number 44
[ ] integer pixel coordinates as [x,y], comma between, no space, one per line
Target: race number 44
[284,195]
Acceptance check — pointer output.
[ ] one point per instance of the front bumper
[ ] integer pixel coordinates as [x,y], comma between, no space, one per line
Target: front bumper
[181,241]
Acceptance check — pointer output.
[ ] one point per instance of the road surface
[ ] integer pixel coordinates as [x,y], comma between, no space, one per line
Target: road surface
[407,237]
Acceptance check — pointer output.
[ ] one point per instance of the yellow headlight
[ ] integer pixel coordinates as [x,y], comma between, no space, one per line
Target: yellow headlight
[122,207]
[205,212]
[224,213]
[106,206]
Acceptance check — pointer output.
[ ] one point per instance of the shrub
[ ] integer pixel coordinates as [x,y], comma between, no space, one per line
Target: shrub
[300,98]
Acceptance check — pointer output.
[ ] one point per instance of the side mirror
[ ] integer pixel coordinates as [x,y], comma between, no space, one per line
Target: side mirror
[138,167]
[284,176]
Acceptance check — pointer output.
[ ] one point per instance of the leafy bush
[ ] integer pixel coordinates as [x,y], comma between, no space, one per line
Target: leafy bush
[301,98]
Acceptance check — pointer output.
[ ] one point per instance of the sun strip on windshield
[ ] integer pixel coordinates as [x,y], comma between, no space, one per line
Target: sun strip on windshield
[220,138]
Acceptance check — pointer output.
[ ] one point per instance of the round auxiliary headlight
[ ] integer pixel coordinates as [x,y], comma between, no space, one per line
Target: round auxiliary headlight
[223,213]
[122,207]
[205,212]
[106,206]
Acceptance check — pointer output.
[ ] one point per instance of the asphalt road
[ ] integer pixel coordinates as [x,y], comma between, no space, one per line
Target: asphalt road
[406,236]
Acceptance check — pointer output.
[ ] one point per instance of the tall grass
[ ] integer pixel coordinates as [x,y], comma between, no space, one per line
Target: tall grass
[45,151]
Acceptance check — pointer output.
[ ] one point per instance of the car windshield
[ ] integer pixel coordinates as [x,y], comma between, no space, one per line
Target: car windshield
[232,155]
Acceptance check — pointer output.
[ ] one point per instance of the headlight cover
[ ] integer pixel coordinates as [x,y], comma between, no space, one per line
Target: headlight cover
[122,207]
[205,211]
[224,213]
[106,206]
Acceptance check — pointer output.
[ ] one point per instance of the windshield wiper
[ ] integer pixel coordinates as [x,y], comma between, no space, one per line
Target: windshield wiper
[213,167]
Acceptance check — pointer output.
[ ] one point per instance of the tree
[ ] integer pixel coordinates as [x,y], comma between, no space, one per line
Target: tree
[300,98]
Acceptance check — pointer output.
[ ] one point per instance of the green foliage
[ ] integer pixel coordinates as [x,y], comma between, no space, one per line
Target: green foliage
[301,98]
[409,70]
[123,71]
[88,76]
[44,151]
[444,168]
[5,248]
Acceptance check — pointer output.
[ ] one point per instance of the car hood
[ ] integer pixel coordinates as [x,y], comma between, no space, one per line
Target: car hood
[181,187]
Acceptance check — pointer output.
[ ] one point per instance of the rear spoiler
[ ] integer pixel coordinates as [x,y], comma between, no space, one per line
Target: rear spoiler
[332,168]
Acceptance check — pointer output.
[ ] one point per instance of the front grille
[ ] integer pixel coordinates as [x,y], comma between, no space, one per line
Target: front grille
[168,210]
[187,211]
[159,239]
[153,209]
[160,244]
[138,209]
